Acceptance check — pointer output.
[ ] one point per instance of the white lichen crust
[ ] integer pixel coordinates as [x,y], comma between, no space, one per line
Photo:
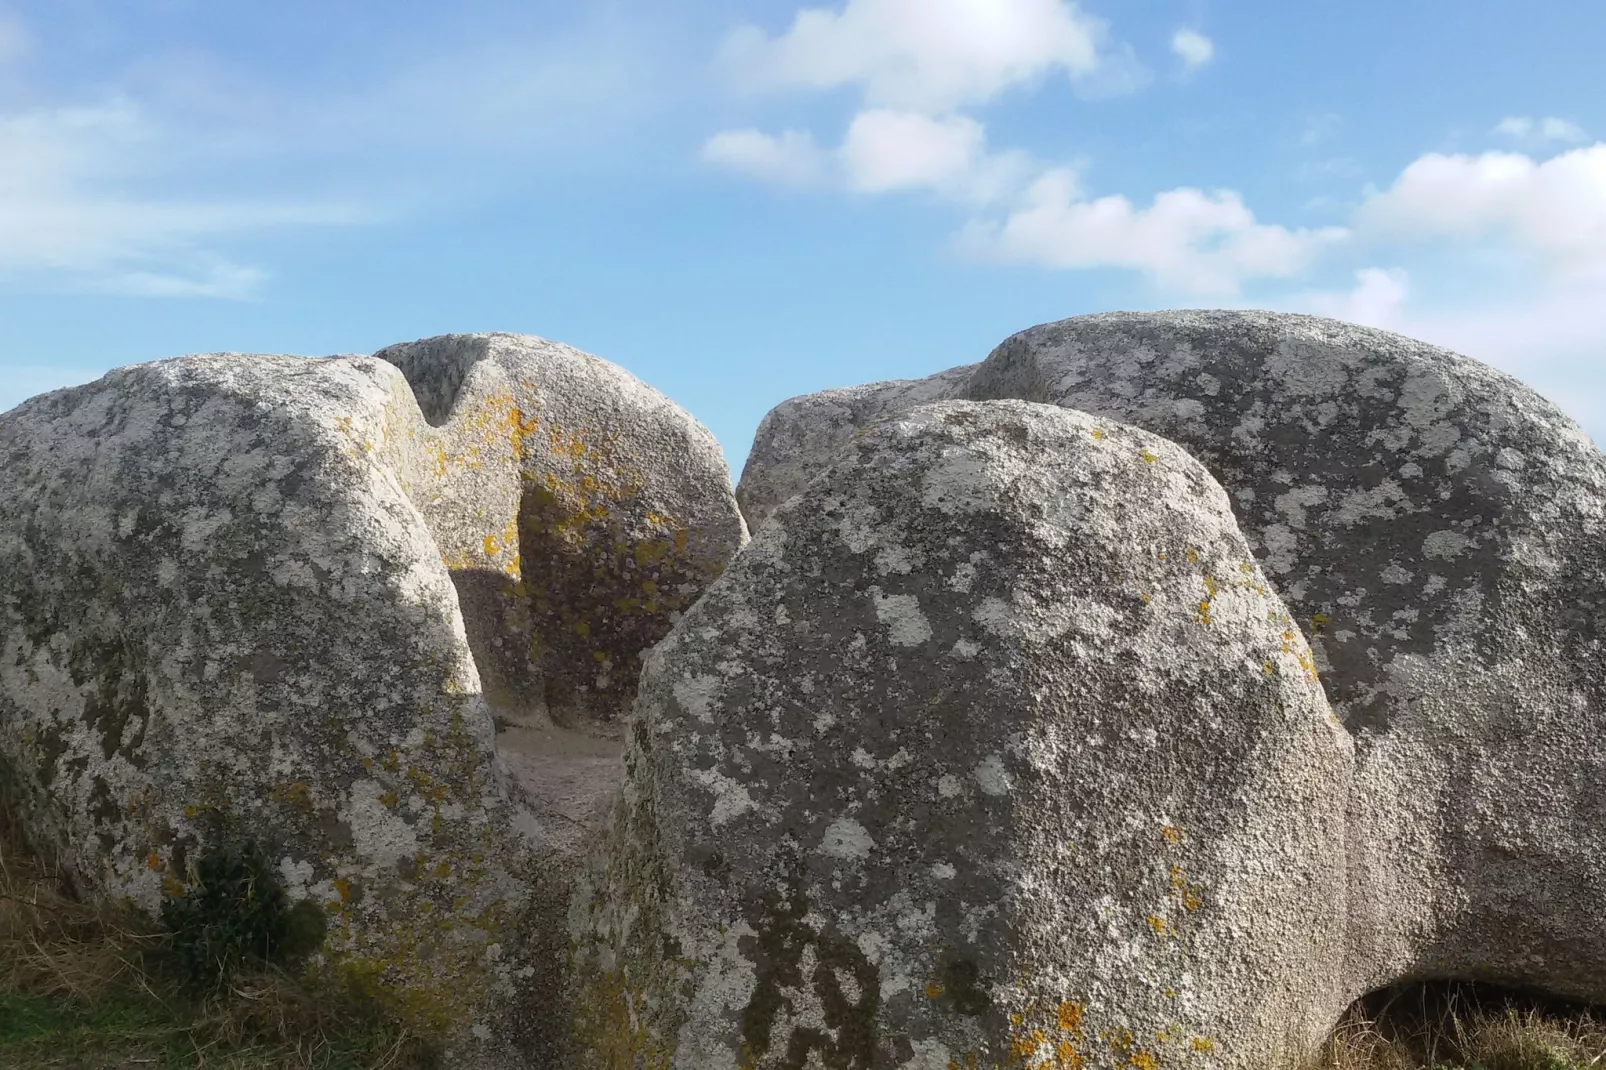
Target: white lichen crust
[993,749]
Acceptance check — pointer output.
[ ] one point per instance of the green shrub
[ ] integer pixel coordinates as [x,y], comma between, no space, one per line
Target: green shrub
[235,912]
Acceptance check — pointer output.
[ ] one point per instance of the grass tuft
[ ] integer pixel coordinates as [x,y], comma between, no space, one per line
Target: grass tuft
[82,986]
[1461,1026]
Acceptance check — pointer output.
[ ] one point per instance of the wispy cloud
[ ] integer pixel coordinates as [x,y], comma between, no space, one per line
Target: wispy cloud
[1522,128]
[15,40]
[149,190]
[1321,127]
[78,199]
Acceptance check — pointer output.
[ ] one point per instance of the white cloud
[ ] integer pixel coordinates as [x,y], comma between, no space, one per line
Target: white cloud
[923,55]
[888,150]
[1189,240]
[1193,48]
[1555,208]
[789,159]
[1522,128]
[884,151]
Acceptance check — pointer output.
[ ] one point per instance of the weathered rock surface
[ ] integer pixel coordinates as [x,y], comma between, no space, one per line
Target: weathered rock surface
[992,749]
[614,497]
[1437,530]
[799,436]
[227,610]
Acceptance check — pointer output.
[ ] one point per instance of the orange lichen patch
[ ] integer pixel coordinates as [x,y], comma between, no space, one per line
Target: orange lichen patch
[1067,1057]
[388,800]
[1158,924]
[1300,653]
[154,863]
[1202,1044]
[1098,434]
[1026,1045]
[1193,556]
[519,428]
[1119,1039]
[933,990]
[1189,896]
[1070,1017]
[1143,1060]
[1172,834]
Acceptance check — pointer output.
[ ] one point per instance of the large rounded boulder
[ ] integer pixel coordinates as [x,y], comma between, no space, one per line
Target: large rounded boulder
[228,613]
[994,748]
[1438,531]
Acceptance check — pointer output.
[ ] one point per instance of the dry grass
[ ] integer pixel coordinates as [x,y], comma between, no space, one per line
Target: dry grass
[1443,1026]
[87,987]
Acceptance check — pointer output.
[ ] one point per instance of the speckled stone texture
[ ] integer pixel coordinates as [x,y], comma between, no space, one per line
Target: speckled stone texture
[798,436]
[993,749]
[227,610]
[1436,528]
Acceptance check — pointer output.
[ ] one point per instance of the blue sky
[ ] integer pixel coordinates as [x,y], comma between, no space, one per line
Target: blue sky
[743,201]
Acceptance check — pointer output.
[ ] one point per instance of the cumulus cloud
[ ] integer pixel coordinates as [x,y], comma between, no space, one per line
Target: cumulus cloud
[790,158]
[883,151]
[1522,128]
[923,55]
[1187,239]
[1555,208]
[1193,48]
[889,150]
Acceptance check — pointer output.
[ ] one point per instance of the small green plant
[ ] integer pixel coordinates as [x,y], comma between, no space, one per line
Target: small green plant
[235,912]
